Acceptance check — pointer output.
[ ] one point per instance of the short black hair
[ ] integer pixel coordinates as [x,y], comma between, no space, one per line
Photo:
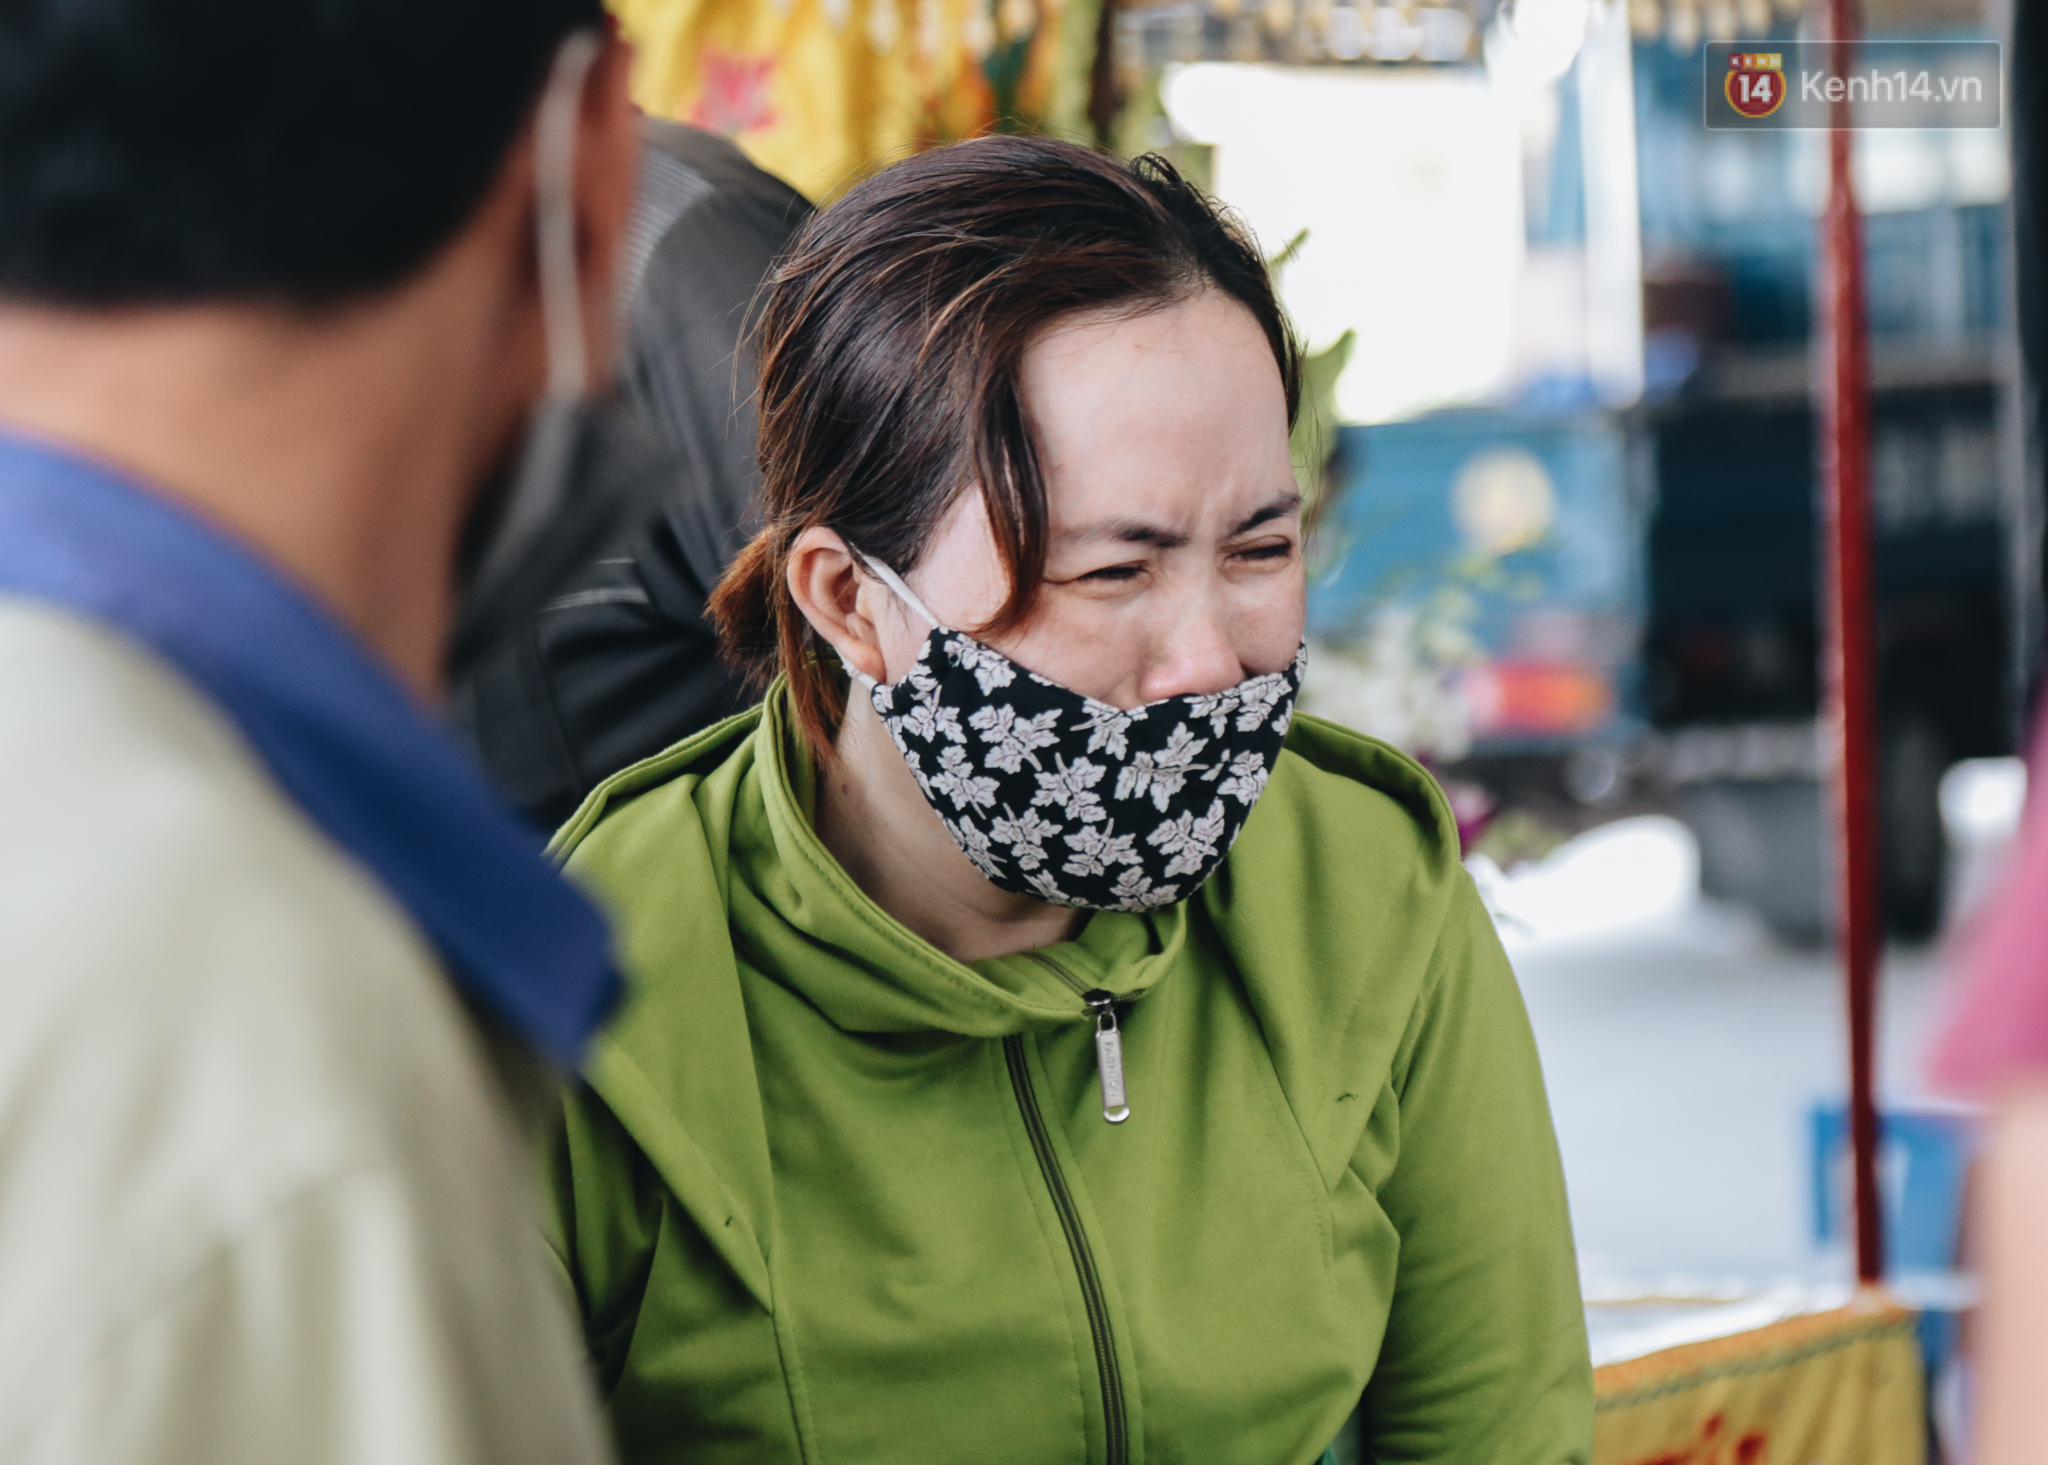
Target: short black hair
[302,151]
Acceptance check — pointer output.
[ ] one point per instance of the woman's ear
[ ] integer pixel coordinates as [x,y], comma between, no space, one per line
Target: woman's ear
[827,586]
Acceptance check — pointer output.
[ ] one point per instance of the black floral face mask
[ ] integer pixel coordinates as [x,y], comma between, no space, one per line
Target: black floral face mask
[1059,796]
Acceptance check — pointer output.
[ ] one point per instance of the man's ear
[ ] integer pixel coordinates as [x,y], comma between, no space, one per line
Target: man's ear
[828,588]
[607,180]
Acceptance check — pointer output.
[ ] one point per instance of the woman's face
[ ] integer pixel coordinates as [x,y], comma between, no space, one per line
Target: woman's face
[1174,559]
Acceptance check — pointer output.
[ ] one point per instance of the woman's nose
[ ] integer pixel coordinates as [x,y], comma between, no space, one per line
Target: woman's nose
[1196,654]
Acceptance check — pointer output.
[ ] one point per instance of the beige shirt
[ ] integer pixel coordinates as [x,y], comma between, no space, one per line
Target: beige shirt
[262,1195]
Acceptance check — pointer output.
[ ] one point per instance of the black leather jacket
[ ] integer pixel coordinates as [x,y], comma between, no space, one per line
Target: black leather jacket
[622,663]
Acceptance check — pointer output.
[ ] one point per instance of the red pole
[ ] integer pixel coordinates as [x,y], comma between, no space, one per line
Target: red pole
[1850,666]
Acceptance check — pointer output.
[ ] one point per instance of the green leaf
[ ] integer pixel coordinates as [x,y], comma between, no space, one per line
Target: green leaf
[1314,437]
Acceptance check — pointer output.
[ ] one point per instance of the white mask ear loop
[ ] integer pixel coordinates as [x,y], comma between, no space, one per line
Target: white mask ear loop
[554,215]
[551,436]
[895,582]
[903,593]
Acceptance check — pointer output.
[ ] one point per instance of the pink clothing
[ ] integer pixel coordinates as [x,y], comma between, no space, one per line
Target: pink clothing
[1999,1029]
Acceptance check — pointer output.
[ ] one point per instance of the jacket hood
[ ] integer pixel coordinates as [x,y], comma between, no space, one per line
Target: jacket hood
[791,912]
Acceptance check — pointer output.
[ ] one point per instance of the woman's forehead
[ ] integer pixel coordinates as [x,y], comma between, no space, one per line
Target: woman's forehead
[1168,424]
[1097,340]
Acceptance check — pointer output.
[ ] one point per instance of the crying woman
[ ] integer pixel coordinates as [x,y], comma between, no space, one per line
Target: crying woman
[1047,1045]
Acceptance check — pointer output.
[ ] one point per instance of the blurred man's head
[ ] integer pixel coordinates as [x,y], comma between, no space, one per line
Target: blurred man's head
[278,257]
[170,151]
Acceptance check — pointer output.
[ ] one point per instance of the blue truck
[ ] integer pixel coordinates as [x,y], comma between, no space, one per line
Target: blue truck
[1636,597]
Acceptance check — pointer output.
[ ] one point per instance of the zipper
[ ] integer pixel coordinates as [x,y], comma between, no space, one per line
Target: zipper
[1109,1040]
[1117,1446]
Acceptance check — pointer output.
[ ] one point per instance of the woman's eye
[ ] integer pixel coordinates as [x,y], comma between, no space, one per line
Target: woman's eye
[1279,549]
[1114,574]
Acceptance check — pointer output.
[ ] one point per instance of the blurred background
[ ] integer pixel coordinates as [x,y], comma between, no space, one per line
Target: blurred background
[1561,448]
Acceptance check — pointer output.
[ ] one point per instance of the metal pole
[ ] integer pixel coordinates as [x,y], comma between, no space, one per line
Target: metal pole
[1850,669]
[2025,26]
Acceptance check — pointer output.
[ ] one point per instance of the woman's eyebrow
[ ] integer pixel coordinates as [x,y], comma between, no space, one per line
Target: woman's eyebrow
[1137,531]
[1124,531]
[1279,508]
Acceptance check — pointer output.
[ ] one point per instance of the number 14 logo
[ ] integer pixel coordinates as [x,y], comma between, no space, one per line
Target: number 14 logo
[1755,83]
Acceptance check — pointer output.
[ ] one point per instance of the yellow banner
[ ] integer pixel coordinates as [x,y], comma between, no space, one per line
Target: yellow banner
[820,92]
[1835,1388]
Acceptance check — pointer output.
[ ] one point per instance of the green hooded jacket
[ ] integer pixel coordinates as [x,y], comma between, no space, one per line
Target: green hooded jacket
[831,1196]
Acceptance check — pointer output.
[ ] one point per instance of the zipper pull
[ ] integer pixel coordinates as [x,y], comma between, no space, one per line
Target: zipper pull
[1109,1055]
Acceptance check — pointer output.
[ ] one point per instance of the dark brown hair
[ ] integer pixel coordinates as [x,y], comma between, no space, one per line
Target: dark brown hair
[891,342]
